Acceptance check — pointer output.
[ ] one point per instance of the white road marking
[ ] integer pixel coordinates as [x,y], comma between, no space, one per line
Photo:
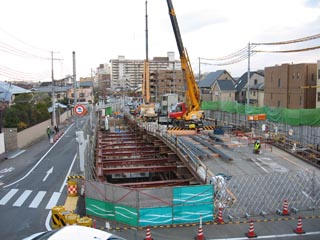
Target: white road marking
[17,154]
[47,175]
[8,196]
[259,165]
[53,200]
[22,198]
[37,200]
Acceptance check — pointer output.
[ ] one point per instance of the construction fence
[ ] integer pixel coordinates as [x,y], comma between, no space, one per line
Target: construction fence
[239,197]
[149,207]
[303,135]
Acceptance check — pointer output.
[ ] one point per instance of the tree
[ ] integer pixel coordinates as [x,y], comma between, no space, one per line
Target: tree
[26,112]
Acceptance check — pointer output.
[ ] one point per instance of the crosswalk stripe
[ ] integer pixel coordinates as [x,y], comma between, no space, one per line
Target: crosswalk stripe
[38,198]
[53,200]
[8,196]
[22,198]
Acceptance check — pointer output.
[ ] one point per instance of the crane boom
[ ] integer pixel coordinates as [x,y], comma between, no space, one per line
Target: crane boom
[193,92]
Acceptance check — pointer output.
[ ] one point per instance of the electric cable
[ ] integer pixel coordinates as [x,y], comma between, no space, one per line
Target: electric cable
[288,51]
[291,41]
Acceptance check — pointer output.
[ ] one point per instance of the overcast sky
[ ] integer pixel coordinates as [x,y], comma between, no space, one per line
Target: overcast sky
[100,30]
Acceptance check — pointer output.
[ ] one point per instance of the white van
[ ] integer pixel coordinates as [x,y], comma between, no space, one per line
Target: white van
[74,232]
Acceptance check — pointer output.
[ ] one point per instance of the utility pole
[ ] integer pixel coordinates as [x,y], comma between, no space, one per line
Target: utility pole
[74,84]
[199,69]
[53,97]
[248,89]
[74,78]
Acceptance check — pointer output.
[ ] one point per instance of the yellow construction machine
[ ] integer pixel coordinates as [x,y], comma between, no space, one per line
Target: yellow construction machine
[186,114]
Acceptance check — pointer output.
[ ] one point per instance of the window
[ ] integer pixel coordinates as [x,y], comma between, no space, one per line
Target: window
[318,96]
[288,99]
[255,81]
[254,93]
[312,77]
[279,82]
[293,76]
[298,75]
[300,103]
[279,104]
[271,96]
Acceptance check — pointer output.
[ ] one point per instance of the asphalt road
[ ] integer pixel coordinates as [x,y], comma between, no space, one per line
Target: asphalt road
[32,182]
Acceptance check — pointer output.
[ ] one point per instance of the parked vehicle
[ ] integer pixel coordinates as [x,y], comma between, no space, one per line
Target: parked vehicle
[74,232]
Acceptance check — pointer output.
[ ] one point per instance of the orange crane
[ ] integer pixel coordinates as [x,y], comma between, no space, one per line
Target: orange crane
[147,110]
[185,114]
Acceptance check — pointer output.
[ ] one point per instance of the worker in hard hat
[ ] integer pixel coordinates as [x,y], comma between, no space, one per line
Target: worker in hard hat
[257,147]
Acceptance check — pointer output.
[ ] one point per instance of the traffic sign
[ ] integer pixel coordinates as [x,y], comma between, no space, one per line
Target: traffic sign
[79,109]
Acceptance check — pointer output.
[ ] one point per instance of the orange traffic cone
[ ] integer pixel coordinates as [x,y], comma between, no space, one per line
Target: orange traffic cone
[251,233]
[299,229]
[148,234]
[200,235]
[219,218]
[285,211]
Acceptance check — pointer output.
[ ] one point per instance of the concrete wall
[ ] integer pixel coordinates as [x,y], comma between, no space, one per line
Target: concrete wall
[32,134]
[2,146]
[11,140]
[35,133]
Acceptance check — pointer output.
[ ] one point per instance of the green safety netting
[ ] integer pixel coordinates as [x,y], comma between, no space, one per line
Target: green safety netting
[295,117]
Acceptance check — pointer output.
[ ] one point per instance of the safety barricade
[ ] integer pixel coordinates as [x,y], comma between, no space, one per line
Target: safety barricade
[72,188]
[71,218]
[84,221]
[58,217]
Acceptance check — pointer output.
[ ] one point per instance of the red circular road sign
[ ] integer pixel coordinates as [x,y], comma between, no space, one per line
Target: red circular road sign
[79,109]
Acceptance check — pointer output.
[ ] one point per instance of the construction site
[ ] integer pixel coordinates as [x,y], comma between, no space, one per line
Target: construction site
[144,174]
[211,162]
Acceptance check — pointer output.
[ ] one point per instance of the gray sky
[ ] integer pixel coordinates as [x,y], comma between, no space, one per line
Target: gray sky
[100,30]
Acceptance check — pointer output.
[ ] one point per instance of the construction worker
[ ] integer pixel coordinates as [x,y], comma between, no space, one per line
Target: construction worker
[257,147]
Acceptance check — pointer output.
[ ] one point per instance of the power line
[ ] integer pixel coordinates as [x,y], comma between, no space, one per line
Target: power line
[289,51]
[291,41]
[19,40]
[17,52]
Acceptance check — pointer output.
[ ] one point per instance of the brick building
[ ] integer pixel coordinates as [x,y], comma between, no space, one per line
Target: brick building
[288,86]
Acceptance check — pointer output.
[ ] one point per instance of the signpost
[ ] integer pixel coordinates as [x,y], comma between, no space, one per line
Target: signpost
[80,110]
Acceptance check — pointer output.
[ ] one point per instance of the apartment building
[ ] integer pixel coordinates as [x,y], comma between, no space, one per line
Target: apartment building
[166,81]
[290,86]
[128,73]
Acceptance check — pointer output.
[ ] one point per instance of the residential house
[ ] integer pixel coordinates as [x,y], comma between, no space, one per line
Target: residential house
[256,87]
[84,92]
[217,86]
[60,92]
[8,91]
[290,86]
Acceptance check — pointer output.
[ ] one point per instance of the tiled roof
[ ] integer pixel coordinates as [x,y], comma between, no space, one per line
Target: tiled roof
[210,79]
[226,85]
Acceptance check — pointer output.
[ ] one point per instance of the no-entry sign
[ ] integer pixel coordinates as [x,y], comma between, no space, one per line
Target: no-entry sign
[79,109]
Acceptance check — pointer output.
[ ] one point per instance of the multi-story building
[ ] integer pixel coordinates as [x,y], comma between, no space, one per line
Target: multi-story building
[102,82]
[128,73]
[166,81]
[290,86]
